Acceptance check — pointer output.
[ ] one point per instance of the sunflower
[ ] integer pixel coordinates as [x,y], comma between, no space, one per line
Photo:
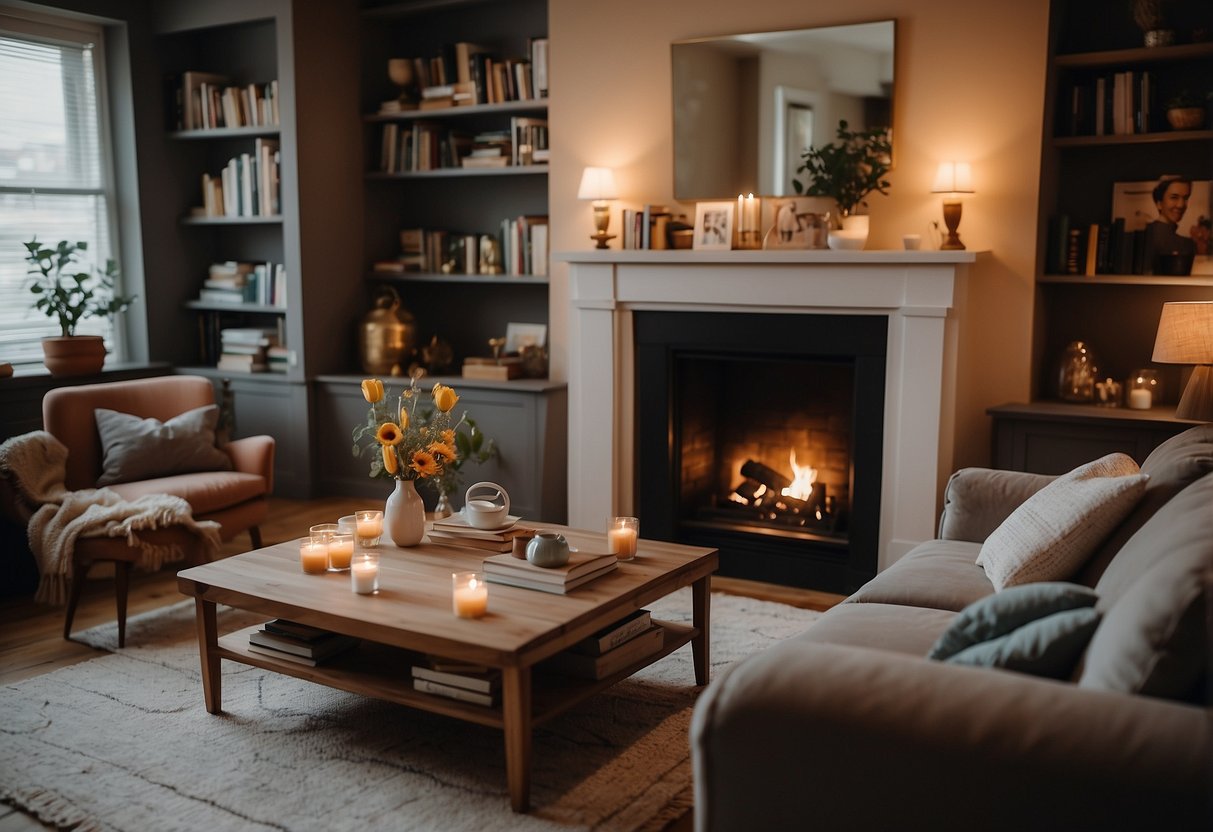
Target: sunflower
[424,464]
[448,437]
[389,433]
[442,451]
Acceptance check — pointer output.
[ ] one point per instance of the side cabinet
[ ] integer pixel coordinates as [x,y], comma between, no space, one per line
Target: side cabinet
[526,418]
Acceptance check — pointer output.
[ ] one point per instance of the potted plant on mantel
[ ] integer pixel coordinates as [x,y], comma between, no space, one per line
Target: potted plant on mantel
[66,293]
[847,170]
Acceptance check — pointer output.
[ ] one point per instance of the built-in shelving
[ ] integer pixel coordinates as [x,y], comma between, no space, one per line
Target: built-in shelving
[530,105]
[1126,280]
[1135,138]
[432,277]
[1135,56]
[274,219]
[251,308]
[227,132]
[439,173]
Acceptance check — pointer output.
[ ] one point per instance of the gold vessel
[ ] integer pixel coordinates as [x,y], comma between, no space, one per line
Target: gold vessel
[387,335]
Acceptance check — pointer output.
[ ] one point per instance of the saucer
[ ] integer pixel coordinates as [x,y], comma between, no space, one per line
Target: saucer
[510,520]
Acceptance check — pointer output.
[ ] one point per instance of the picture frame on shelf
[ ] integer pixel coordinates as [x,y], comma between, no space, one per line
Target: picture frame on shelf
[519,335]
[1135,203]
[792,223]
[713,226]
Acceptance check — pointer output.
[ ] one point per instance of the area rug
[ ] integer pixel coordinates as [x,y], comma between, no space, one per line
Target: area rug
[123,742]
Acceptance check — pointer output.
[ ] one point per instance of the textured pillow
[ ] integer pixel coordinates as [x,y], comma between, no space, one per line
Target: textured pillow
[1050,536]
[999,614]
[1154,639]
[1049,646]
[138,449]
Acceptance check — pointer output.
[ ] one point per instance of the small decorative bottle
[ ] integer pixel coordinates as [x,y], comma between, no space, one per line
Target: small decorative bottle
[1077,372]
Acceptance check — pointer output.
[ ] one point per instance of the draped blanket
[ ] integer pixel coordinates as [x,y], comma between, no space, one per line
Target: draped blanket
[35,463]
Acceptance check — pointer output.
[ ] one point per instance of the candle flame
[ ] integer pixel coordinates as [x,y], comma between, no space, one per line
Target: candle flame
[473,583]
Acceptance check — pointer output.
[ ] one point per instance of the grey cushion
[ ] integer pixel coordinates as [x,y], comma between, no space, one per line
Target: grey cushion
[1005,612]
[940,574]
[138,449]
[910,630]
[977,501]
[1154,639]
[1049,646]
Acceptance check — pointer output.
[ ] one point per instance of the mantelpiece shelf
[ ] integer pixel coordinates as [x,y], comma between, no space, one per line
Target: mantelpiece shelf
[432,277]
[509,170]
[1138,55]
[530,105]
[1135,138]
[1127,280]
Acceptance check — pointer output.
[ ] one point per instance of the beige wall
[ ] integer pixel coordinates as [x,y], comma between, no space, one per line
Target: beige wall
[969,85]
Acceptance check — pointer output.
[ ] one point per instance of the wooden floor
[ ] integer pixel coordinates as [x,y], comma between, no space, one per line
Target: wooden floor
[31,635]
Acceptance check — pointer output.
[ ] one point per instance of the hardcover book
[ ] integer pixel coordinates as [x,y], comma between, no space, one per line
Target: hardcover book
[599,667]
[612,636]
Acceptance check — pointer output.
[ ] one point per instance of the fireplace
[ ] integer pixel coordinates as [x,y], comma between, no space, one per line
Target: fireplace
[908,295]
[760,435]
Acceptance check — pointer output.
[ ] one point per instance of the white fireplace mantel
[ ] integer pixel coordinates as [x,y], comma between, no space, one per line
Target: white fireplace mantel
[915,290]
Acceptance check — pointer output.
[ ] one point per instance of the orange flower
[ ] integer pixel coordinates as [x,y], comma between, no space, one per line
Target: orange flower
[372,390]
[390,463]
[443,451]
[448,436]
[404,419]
[444,397]
[389,433]
[424,464]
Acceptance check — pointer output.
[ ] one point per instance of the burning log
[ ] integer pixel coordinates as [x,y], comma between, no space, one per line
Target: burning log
[766,475]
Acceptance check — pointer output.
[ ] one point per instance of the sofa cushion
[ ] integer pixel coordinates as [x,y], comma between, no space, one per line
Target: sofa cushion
[939,574]
[134,448]
[1154,639]
[1172,467]
[206,492]
[977,500]
[1004,612]
[909,630]
[1050,536]
[1049,646]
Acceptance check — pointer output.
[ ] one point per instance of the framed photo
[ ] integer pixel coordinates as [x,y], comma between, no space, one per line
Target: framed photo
[793,223]
[713,226]
[519,335]
[1134,201]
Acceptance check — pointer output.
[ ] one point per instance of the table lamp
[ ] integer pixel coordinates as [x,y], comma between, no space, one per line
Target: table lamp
[952,179]
[1185,336]
[598,184]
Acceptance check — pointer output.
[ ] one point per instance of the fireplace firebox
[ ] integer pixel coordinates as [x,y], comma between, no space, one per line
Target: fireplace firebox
[761,434]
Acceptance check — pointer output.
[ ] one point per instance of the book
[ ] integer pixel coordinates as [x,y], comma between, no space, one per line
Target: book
[278,654]
[526,581]
[446,539]
[452,692]
[482,681]
[599,667]
[580,563]
[495,372]
[317,649]
[484,162]
[457,524]
[613,635]
[292,629]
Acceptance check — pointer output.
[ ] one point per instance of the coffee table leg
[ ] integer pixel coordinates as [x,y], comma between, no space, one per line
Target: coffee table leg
[208,643]
[516,711]
[701,602]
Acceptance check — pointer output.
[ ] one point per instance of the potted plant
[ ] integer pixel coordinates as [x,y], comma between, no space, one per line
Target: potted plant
[847,170]
[1185,111]
[68,293]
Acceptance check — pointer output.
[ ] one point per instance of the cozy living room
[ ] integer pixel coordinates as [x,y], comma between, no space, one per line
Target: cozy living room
[537,415]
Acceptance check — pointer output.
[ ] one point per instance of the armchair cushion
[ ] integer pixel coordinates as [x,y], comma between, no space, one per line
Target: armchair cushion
[206,492]
[135,448]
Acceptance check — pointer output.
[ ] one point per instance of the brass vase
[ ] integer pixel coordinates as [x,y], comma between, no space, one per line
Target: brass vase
[387,335]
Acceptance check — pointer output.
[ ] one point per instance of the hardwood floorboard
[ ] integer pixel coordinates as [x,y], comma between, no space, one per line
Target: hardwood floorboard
[31,635]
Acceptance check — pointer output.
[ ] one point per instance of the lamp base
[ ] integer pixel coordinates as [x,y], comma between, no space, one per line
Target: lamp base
[1197,400]
[951,218]
[602,237]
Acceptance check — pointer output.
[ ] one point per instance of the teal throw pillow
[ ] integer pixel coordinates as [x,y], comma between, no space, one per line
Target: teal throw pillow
[1003,612]
[1049,647]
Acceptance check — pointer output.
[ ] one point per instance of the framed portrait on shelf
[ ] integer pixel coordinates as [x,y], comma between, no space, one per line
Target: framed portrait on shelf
[518,335]
[713,226]
[1178,237]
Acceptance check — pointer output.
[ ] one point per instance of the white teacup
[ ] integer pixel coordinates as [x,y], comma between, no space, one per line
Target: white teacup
[485,514]
[912,242]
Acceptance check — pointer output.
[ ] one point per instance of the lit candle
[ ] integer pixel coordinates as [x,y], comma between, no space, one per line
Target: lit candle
[369,527]
[622,536]
[364,574]
[341,550]
[740,212]
[470,594]
[1140,399]
[751,213]
[314,557]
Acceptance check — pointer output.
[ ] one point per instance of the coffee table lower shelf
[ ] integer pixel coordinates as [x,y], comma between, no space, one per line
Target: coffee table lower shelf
[384,672]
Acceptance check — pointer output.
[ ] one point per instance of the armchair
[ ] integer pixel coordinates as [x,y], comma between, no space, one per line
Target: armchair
[237,499]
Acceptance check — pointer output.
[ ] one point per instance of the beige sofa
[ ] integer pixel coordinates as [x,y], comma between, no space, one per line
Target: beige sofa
[849,726]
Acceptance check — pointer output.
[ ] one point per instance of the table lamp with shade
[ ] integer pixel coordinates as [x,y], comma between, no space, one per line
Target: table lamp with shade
[952,180]
[1185,336]
[598,184]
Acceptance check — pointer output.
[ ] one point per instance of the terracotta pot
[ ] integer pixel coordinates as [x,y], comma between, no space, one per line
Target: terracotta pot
[1186,118]
[73,355]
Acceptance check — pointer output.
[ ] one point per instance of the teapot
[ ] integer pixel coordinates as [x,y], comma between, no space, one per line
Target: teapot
[486,514]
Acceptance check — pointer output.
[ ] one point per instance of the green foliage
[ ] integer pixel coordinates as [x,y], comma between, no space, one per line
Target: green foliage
[61,292]
[849,168]
[473,446]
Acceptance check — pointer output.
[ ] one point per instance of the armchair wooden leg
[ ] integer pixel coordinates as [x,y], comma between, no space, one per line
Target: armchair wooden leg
[122,579]
[254,534]
[79,573]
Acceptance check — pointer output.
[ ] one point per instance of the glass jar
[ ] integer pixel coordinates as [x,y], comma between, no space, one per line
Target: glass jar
[1077,372]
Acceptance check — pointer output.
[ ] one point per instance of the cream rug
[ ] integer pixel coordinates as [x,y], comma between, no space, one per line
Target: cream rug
[123,742]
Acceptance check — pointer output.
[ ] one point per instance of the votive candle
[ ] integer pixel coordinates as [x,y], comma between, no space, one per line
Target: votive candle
[369,524]
[314,557]
[1140,399]
[469,594]
[341,550]
[622,536]
[364,573]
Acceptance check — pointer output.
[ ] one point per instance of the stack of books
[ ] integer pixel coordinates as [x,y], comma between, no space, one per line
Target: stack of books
[611,649]
[582,568]
[456,680]
[455,531]
[244,349]
[239,283]
[298,643]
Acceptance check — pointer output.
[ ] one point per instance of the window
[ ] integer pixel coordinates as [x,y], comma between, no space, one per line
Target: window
[55,179]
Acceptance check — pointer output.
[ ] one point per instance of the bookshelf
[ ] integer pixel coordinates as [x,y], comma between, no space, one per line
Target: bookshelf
[1116,309]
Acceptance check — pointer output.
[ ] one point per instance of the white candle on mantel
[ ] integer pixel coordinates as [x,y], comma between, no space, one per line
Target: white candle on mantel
[364,575]
[471,601]
[314,557]
[1140,399]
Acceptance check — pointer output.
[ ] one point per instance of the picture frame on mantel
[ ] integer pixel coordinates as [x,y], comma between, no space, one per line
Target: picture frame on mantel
[713,226]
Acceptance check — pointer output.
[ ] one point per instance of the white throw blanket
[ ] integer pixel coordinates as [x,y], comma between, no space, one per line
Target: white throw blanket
[36,464]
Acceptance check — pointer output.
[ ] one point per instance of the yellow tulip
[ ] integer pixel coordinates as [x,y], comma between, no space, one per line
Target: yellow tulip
[372,390]
[444,398]
[389,459]
[404,418]
[388,434]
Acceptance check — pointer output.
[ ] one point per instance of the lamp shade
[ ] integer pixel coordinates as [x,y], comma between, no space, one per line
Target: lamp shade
[1185,333]
[597,183]
[953,178]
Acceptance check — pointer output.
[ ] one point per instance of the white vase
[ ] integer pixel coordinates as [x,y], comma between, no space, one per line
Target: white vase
[404,515]
[854,233]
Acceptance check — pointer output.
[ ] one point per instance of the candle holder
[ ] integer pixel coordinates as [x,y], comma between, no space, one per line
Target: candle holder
[364,573]
[469,594]
[1107,393]
[313,557]
[323,532]
[1149,381]
[623,533]
[341,552]
[368,527]
[347,524]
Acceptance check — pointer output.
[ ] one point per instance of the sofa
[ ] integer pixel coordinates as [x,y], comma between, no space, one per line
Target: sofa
[850,726]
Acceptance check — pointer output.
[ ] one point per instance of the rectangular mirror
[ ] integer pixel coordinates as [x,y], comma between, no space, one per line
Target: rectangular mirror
[746,106]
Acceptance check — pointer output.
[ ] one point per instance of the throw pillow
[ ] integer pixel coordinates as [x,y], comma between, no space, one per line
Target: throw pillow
[1003,612]
[135,449]
[1050,536]
[1050,646]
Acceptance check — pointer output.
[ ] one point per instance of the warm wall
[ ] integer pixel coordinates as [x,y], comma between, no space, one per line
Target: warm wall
[969,85]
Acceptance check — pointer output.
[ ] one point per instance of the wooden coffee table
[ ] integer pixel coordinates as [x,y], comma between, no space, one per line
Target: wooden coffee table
[412,612]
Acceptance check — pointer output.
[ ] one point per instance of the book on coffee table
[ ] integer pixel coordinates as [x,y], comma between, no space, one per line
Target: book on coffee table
[582,568]
[571,663]
[613,635]
[452,692]
[316,650]
[483,680]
